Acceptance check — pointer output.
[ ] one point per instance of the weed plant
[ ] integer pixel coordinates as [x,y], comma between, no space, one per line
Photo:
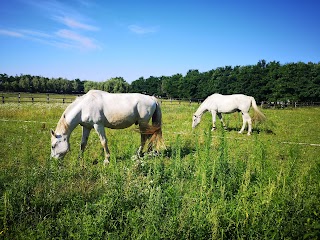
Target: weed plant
[204,185]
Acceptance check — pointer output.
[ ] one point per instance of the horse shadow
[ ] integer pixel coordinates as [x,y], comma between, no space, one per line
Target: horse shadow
[267,131]
[254,130]
[182,151]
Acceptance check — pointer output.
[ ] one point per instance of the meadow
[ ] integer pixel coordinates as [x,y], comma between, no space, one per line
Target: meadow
[204,185]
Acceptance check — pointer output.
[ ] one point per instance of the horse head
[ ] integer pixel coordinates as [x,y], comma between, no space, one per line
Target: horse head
[196,120]
[59,145]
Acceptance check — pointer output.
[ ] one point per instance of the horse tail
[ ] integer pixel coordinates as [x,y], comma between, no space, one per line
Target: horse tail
[156,138]
[258,114]
[154,131]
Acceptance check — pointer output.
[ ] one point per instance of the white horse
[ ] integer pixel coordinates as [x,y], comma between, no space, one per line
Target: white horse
[98,109]
[217,104]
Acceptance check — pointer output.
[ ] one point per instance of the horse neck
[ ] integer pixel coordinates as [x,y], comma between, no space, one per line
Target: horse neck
[68,121]
[202,109]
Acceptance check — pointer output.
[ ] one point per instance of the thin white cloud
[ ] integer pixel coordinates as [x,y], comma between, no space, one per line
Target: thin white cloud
[72,23]
[39,34]
[11,33]
[62,39]
[142,30]
[71,30]
[77,39]
[86,3]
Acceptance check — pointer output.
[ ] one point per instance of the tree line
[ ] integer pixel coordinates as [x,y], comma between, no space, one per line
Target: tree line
[265,81]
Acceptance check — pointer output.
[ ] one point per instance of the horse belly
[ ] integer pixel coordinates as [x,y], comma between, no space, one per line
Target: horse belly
[113,119]
[227,105]
[227,110]
[120,120]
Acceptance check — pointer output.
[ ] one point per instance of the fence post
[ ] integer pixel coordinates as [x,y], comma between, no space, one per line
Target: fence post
[2,99]
[19,98]
[63,100]
[48,98]
[32,99]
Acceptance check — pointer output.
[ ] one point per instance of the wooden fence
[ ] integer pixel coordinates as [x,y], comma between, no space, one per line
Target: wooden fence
[60,98]
[34,98]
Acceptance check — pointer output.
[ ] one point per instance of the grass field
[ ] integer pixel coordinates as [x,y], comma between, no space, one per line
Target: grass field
[205,185]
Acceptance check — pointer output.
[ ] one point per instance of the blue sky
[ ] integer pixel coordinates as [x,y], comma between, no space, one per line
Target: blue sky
[97,40]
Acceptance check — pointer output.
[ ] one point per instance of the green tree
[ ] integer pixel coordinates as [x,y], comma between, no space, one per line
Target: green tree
[4,82]
[116,85]
[89,85]
[190,84]
[153,86]
[77,86]
[25,83]
[138,86]
[172,85]
[43,84]
[36,84]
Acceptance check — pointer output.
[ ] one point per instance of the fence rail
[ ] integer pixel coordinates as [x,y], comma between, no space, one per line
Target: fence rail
[59,98]
[30,98]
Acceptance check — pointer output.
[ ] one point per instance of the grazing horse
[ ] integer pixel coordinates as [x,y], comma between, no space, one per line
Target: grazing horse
[98,109]
[217,104]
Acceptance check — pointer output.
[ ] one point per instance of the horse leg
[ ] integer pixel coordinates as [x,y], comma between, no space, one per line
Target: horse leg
[246,119]
[102,135]
[221,119]
[144,138]
[213,120]
[84,140]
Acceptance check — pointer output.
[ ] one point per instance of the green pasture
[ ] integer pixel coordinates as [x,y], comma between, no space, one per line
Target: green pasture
[204,185]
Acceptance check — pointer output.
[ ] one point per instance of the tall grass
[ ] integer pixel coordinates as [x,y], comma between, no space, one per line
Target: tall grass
[205,185]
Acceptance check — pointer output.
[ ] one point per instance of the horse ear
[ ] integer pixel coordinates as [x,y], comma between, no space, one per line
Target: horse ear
[53,133]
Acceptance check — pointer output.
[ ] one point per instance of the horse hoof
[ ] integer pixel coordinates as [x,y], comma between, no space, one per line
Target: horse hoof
[135,157]
[154,153]
[213,129]
[106,162]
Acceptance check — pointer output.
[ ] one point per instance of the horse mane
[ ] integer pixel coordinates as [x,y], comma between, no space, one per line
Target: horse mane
[62,126]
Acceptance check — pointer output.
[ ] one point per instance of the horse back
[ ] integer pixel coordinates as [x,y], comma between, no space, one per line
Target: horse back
[229,103]
[117,110]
